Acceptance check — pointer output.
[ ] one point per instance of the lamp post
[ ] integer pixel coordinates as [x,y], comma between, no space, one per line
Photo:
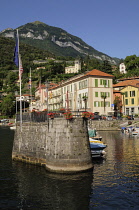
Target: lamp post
[104,97]
[85,101]
[123,94]
[47,98]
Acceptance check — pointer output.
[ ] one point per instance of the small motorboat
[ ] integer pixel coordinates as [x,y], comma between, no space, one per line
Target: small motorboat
[135,132]
[97,148]
[94,135]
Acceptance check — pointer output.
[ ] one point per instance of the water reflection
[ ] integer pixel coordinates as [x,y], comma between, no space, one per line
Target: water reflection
[116,182]
[52,191]
[113,184]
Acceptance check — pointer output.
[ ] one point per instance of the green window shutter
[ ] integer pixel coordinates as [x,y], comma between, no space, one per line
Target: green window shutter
[101,81]
[99,104]
[94,103]
[96,82]
[108,83]
[104,83]
[126,101]
[108,94]
[96,94]
[102,103]
[132,101]
[126,94]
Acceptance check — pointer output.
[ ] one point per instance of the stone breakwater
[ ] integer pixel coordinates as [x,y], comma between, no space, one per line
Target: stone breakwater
[60,146]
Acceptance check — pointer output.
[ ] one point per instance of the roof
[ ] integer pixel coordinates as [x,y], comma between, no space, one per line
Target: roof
[99,73]
[125,83]
[129,78]
[116,91]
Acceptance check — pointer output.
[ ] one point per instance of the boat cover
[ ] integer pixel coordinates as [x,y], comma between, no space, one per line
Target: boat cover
[92,132]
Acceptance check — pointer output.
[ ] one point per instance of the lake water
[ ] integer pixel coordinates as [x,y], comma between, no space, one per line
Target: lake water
[113,183]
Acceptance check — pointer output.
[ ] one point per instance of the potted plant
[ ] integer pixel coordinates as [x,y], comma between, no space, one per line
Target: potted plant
[51,115]
[68,115]
[62,110]
[86,115]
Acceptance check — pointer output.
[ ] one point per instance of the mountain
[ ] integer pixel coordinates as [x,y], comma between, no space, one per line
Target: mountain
[55,40]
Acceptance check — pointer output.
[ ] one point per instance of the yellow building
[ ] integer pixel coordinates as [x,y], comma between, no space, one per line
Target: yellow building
[131,99]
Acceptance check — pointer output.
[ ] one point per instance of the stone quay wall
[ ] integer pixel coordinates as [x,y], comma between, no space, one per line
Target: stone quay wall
[60,146]
[105,125]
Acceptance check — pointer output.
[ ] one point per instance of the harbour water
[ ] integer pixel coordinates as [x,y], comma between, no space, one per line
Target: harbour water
[113,183]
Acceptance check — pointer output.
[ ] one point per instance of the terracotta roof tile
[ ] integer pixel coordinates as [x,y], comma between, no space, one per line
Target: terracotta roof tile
[134,83]
[96,72]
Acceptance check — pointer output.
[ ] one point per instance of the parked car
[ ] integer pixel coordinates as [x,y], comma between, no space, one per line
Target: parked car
[96,116]
[109,117]
[130,117]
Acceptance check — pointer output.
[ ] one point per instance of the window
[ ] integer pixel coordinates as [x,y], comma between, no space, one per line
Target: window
[132,93]
[102,103]
[96,82]
[108,83]
[96,104]
[96,94]
[126,101]
[132,110]
[126,94]
[105,82]
[132,100]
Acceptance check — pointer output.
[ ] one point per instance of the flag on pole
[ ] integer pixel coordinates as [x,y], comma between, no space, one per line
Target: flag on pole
[16,51]
[40,87]
[20,67]
[29,83]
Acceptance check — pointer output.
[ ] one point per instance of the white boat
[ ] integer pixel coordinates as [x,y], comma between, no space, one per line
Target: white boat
[135,132]
[97,148]
[13,127]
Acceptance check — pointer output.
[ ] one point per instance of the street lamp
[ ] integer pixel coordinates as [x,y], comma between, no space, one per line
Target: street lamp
[47,86]
[85,101]
[104,97]
[123,94]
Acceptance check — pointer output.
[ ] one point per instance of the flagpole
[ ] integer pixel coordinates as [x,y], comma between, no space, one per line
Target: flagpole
[30,85]
[20,82]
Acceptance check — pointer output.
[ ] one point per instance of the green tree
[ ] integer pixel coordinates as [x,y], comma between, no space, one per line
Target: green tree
[106,67]
[8,105]
[131,62]
[10,83]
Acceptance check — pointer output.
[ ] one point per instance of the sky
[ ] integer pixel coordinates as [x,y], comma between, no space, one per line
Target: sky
[109,26]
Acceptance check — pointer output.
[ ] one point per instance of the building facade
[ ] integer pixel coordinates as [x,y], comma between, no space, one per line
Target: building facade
[73,69]
[91,91]
[122,68]
[131,99]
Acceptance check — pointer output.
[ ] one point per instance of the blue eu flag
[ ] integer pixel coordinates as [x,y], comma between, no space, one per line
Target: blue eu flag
[16,58]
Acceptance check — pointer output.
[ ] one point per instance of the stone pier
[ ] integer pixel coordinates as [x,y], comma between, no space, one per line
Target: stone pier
[59,145]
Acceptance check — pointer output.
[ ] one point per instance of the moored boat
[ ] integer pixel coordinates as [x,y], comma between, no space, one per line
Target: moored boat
[97,148]
[93,134]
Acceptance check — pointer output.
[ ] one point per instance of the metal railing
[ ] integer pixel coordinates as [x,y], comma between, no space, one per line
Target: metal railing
[44,116]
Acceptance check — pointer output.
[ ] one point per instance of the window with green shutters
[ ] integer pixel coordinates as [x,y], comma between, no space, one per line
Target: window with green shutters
[126,101]
[132,100]
[104,83]
[96,103]
[126,94]
[96,82]
[102,103]
[96,94]
[108,83]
